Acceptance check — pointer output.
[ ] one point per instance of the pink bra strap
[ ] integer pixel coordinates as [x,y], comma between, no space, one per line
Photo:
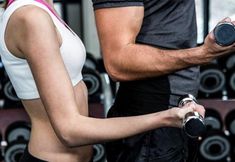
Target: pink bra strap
[54,13]
[10,2]
[50,8]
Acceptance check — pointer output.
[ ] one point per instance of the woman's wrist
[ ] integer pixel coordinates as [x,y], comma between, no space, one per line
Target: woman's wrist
[168,118]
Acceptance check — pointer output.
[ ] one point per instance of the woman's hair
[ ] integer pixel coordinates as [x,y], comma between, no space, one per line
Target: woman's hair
[4,5]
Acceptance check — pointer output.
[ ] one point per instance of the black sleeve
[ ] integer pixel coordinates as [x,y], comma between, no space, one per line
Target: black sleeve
[97,4]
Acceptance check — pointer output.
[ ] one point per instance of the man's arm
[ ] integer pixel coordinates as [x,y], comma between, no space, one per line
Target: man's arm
[126,60]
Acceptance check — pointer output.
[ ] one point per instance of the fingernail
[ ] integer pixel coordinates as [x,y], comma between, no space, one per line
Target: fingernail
[227,19]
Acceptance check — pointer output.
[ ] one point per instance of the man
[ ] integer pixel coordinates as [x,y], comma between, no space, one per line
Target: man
[150,47]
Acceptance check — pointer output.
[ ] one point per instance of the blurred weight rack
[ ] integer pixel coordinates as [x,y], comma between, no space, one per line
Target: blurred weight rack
[217,94]
[217,144]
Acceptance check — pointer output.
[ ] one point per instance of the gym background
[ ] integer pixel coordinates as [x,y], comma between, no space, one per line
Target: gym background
[216,93]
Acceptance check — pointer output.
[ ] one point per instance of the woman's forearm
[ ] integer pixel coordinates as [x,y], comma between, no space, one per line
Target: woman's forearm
[91,130]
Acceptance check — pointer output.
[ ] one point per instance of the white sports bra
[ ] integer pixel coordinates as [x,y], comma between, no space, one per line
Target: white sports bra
[72,51]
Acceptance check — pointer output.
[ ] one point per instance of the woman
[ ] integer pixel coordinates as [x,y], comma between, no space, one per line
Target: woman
[43,58]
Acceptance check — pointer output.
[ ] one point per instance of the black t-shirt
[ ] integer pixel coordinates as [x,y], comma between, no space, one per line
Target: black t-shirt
[168,24]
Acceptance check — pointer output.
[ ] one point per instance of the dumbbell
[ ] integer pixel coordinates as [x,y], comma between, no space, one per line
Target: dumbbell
[224,34]
[14,151]
[18,131]
[214,147]
[10,92]
[213,120]
[227,63]
[193,122]
[212,81]
[92,79]
[10,97]
[99,153]
[230,84]
[91,62]
[17,136]
[230,122]
[1,148]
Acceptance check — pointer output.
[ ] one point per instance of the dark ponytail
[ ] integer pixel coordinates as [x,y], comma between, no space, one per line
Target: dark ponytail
[5,2]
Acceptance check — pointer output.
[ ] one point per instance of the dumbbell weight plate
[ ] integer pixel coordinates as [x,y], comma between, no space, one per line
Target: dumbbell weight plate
[98,152]
[215,147]
[232,82]
[92,80]
[230,62]
[212,123]
[1,148]
[14,151]
[224,34]
[213,119]
[230,122]
[91,62]
[211,81]
[10,92]
[18,131]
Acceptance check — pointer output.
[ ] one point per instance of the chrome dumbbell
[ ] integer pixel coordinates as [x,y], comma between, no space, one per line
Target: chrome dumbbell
[193,122]
[224,34]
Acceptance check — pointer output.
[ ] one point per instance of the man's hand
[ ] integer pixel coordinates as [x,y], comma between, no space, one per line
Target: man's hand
[212,49]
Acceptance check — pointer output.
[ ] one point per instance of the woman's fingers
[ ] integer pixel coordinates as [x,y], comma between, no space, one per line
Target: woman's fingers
[192,106]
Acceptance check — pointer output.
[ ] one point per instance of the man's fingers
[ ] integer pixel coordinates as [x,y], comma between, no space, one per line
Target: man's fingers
[226,19]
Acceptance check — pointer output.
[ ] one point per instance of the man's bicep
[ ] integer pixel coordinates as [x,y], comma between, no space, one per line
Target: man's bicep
[119,26]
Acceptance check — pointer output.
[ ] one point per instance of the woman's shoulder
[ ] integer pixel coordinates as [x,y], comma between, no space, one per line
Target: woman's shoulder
[29,18]
[28,23]
[30,13]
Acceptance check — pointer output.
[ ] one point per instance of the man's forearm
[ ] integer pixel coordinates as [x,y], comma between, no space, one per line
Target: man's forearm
[136,61]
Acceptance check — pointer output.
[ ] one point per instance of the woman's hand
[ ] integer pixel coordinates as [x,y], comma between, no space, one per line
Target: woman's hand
[179,113]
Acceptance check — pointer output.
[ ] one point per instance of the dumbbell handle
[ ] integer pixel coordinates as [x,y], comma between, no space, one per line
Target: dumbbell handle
[224,34]
[186,99]
[193,122]
[192,115]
